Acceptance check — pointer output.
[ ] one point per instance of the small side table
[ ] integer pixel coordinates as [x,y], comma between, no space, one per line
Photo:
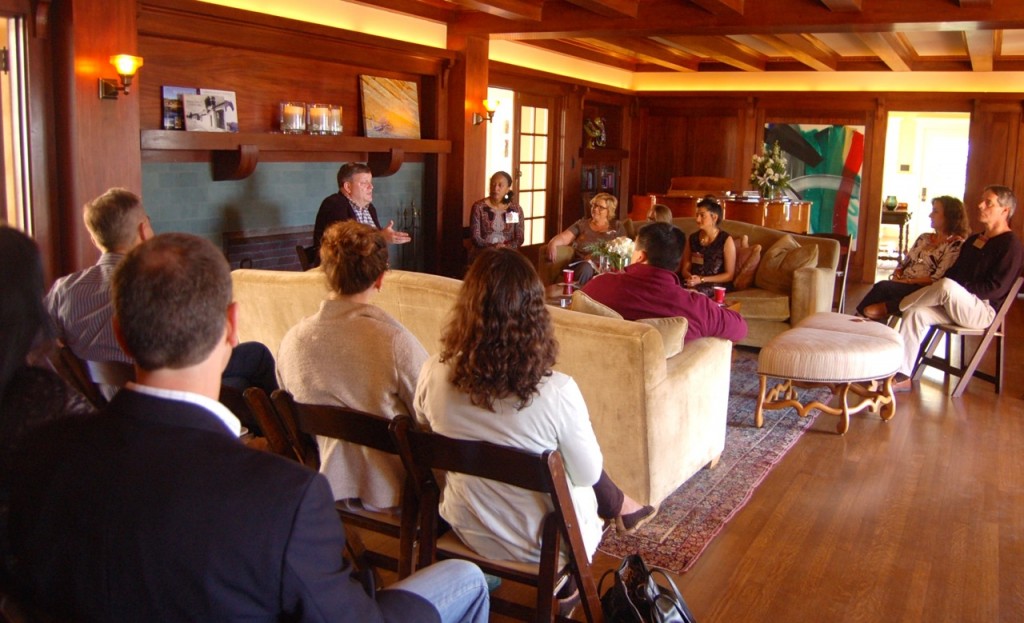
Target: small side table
[899,218]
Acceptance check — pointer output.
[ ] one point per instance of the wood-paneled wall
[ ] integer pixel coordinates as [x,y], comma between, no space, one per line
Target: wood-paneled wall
[267,59]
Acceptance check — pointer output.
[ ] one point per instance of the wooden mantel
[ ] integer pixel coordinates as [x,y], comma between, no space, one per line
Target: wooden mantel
[234,155]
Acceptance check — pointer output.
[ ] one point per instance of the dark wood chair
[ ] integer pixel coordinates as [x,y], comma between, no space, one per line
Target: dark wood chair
[842,268]
[263,411]
[422,452]
[307,256]
[364,429]
[306,450]
[995,332]
[89,377]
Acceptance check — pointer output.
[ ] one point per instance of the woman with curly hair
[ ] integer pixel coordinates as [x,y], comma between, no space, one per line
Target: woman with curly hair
[493,381]
[351,353]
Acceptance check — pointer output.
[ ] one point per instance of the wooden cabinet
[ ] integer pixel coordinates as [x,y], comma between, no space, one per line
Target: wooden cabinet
[602,154]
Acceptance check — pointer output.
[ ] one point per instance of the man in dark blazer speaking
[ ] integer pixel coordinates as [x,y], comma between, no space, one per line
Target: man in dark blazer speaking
[154,510]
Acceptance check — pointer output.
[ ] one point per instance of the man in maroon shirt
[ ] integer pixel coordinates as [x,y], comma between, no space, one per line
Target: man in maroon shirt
[650,288]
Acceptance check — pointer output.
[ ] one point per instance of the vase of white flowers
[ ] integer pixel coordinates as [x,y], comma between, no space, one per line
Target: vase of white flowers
[769,172]
[612,254]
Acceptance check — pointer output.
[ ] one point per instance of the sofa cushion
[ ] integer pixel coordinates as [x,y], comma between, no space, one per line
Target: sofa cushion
[760,304]
[582,302]
[781,260]
[672,331]
[748,258]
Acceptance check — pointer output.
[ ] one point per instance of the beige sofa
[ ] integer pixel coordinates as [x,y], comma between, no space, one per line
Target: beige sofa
[658,420]
[770,312]
[767,311]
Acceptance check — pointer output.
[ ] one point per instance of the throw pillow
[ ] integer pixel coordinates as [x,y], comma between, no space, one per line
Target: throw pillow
[775,272]
[583,303]
[672,331]
[747,261]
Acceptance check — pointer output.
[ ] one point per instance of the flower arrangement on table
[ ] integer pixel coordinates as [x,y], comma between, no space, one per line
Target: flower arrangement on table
[769,172]
[612,254]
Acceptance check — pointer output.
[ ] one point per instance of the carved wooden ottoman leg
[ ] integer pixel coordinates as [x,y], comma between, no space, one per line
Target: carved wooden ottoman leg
[759,411]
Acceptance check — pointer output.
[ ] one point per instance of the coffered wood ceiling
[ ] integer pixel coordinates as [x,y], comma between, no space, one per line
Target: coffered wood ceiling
[750,35]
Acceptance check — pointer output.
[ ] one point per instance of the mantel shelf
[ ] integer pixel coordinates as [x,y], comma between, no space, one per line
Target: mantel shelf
[234,155]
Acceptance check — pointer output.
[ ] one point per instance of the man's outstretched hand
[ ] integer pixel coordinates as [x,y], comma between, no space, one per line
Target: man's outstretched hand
[394,237]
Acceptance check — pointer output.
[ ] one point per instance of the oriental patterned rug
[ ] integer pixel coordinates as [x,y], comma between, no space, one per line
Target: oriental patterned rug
[698,510]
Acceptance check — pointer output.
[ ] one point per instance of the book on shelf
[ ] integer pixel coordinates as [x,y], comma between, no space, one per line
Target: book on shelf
[173,113]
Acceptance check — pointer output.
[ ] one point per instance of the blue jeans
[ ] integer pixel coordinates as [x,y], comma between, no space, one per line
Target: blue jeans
[456,588]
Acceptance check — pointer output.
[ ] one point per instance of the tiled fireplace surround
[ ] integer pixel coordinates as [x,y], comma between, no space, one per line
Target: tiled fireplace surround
[259,220]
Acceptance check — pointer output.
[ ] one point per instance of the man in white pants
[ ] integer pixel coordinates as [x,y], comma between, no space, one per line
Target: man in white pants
[973,288]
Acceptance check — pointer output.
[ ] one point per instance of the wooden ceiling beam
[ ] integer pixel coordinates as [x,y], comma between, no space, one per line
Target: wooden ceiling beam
[427,9]
[804,49]
[721,7]
[505,9]
[720,49]
[668,17]
[981,47]
[609,8]
[585,52]
[650,52]
[889,48]
[843,6]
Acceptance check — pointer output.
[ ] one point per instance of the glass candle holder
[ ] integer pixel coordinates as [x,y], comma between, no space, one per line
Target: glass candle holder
[336,126]
[319,119]
[292,117]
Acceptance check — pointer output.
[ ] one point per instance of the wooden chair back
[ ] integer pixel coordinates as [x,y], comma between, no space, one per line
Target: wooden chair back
[423,451]
[263,411]
[995,332]
[371,431]
[305,446]
[88,377]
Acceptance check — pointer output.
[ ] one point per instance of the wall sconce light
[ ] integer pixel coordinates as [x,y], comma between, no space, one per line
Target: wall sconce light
[490,106]
[126,65]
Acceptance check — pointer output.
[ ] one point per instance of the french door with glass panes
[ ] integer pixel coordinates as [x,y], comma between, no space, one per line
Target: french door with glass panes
[531,158]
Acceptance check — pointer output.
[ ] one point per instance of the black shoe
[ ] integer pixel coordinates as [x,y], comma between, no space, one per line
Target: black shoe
[628,524]
[568,597]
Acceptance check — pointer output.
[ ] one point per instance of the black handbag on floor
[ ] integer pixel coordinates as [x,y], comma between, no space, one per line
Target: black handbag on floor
[635,597]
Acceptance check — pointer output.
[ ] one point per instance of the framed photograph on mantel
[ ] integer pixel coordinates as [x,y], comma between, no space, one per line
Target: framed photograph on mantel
[391,108]
[210,111]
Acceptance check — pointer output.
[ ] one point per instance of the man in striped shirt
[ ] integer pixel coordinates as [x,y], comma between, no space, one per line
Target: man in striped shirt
[82,311]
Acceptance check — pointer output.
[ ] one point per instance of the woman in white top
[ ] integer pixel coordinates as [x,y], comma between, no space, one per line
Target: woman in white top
[353,354]
[493,381]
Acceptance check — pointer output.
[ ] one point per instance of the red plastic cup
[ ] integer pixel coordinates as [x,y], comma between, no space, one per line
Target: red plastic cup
[719,294]
[567,275]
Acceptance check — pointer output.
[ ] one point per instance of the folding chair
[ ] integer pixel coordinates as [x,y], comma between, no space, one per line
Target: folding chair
[994,332]
[364,429]
[424,451]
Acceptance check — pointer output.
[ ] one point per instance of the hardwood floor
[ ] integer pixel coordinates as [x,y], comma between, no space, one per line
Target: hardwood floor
[917,519]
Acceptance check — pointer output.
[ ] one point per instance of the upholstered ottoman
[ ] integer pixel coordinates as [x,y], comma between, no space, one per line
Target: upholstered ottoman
[846,353]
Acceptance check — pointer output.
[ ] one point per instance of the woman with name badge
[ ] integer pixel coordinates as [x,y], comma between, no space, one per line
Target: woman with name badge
[496,220]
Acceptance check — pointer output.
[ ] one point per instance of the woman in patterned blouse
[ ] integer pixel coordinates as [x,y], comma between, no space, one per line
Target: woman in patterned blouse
[928,260]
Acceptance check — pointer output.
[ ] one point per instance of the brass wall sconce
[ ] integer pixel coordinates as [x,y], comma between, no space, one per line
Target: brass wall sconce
[126,66]
[490,106]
